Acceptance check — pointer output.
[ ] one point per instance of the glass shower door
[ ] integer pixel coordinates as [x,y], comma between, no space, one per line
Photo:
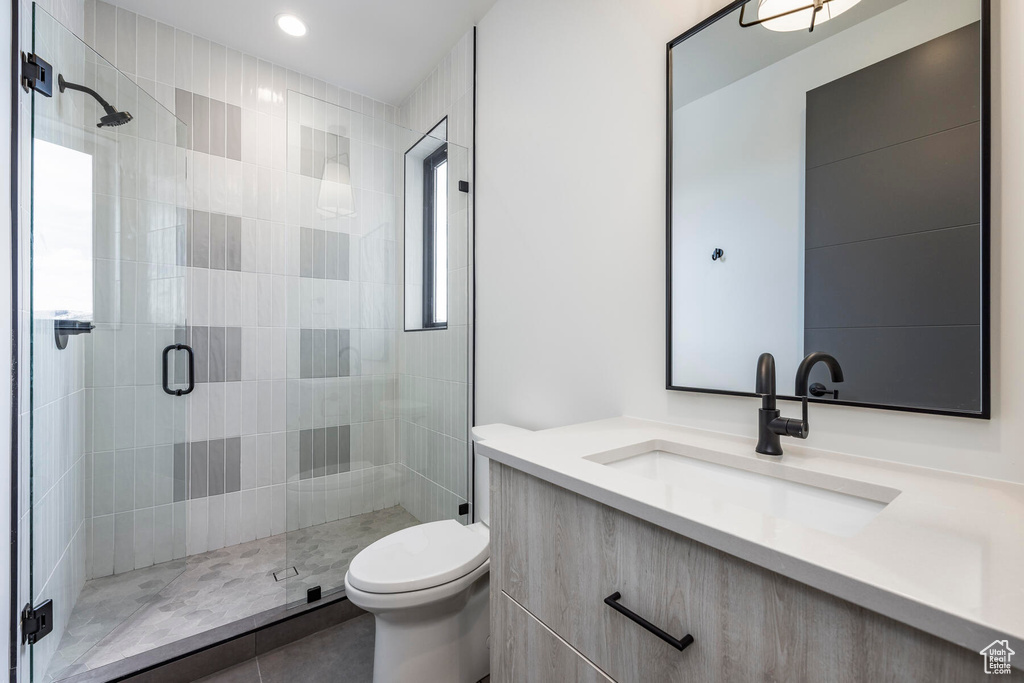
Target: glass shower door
[376,426]
[109,367]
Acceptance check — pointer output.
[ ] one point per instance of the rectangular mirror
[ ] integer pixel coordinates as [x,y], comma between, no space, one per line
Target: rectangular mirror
[828,190]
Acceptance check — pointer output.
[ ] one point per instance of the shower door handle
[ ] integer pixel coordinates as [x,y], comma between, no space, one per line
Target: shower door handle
[191,370]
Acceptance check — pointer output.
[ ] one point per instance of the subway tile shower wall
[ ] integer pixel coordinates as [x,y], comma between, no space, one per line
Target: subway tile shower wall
[292,314]
[435,367]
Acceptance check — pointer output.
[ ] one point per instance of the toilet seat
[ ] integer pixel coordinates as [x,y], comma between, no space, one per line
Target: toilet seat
[418,558]
[382,603]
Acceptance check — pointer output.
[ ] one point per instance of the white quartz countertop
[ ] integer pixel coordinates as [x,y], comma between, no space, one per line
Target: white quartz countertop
[946,555]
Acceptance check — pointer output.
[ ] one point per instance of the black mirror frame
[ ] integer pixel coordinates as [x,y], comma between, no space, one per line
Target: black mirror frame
[985,412]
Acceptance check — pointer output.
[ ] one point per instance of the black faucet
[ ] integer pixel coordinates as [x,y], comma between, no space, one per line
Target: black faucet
[770,425]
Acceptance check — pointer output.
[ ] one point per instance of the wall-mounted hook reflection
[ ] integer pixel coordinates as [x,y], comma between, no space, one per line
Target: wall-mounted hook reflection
[818,389]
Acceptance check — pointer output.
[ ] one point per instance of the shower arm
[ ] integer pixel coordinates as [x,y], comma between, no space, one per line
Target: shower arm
[87,90]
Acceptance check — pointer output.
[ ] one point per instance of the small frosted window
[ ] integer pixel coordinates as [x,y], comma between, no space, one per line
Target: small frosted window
[61,232]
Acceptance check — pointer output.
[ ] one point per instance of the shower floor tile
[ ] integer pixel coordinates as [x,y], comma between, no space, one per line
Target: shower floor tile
[127,614]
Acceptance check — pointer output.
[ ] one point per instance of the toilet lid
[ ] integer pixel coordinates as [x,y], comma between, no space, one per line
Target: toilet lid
[419,557]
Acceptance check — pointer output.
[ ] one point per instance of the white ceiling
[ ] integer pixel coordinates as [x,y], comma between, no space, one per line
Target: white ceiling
[379,48]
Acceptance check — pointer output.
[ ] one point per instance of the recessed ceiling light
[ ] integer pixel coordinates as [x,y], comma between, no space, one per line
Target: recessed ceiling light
[291,24]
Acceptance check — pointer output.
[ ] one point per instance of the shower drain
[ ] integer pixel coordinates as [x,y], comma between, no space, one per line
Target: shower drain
[282,574]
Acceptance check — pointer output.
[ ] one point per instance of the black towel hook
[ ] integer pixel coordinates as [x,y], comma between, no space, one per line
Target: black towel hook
[717,254]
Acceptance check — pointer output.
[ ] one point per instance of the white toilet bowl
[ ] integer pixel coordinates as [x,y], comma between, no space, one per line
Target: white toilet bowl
[428,589]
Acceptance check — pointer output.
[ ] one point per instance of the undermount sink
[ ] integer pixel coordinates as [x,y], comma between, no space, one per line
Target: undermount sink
[820,505]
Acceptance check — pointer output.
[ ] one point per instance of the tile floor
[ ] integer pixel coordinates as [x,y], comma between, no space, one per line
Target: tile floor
[340,653]
[120,616]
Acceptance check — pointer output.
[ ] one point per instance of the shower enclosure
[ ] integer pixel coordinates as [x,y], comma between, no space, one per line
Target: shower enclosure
[107,295]
[222,406]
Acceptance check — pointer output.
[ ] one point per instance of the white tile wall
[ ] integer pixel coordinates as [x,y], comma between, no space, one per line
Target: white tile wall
[267,299]
[436,368]
[140,306]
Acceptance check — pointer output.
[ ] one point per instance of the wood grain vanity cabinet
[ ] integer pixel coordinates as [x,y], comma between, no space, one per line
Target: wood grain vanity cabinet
[530,651]
[556,556]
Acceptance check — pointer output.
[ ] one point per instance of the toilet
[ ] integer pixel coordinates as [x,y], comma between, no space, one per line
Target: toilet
[428,589]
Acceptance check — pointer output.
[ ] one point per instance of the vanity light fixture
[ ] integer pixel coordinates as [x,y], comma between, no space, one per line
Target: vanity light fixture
[291,24]
[795,15]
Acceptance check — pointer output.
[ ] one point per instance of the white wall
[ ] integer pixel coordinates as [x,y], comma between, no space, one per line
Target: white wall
[571,244]
[738,183]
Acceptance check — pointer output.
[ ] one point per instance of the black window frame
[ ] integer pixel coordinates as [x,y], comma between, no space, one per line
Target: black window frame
[430,165]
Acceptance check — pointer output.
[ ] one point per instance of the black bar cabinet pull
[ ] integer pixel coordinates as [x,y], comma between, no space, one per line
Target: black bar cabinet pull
[679,644]
[191,370]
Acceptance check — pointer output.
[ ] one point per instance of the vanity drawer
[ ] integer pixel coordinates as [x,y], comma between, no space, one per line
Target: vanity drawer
[524,649]
[560,555]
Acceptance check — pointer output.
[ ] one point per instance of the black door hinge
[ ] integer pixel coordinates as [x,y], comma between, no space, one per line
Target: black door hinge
[463,186]
[36,74]
[36,623]
[463,508]
[313,594]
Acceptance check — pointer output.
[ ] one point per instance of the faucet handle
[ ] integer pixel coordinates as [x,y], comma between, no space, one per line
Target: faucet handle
[790,426]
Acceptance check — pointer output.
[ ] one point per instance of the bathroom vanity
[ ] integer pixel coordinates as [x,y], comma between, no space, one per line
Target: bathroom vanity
[804,569]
